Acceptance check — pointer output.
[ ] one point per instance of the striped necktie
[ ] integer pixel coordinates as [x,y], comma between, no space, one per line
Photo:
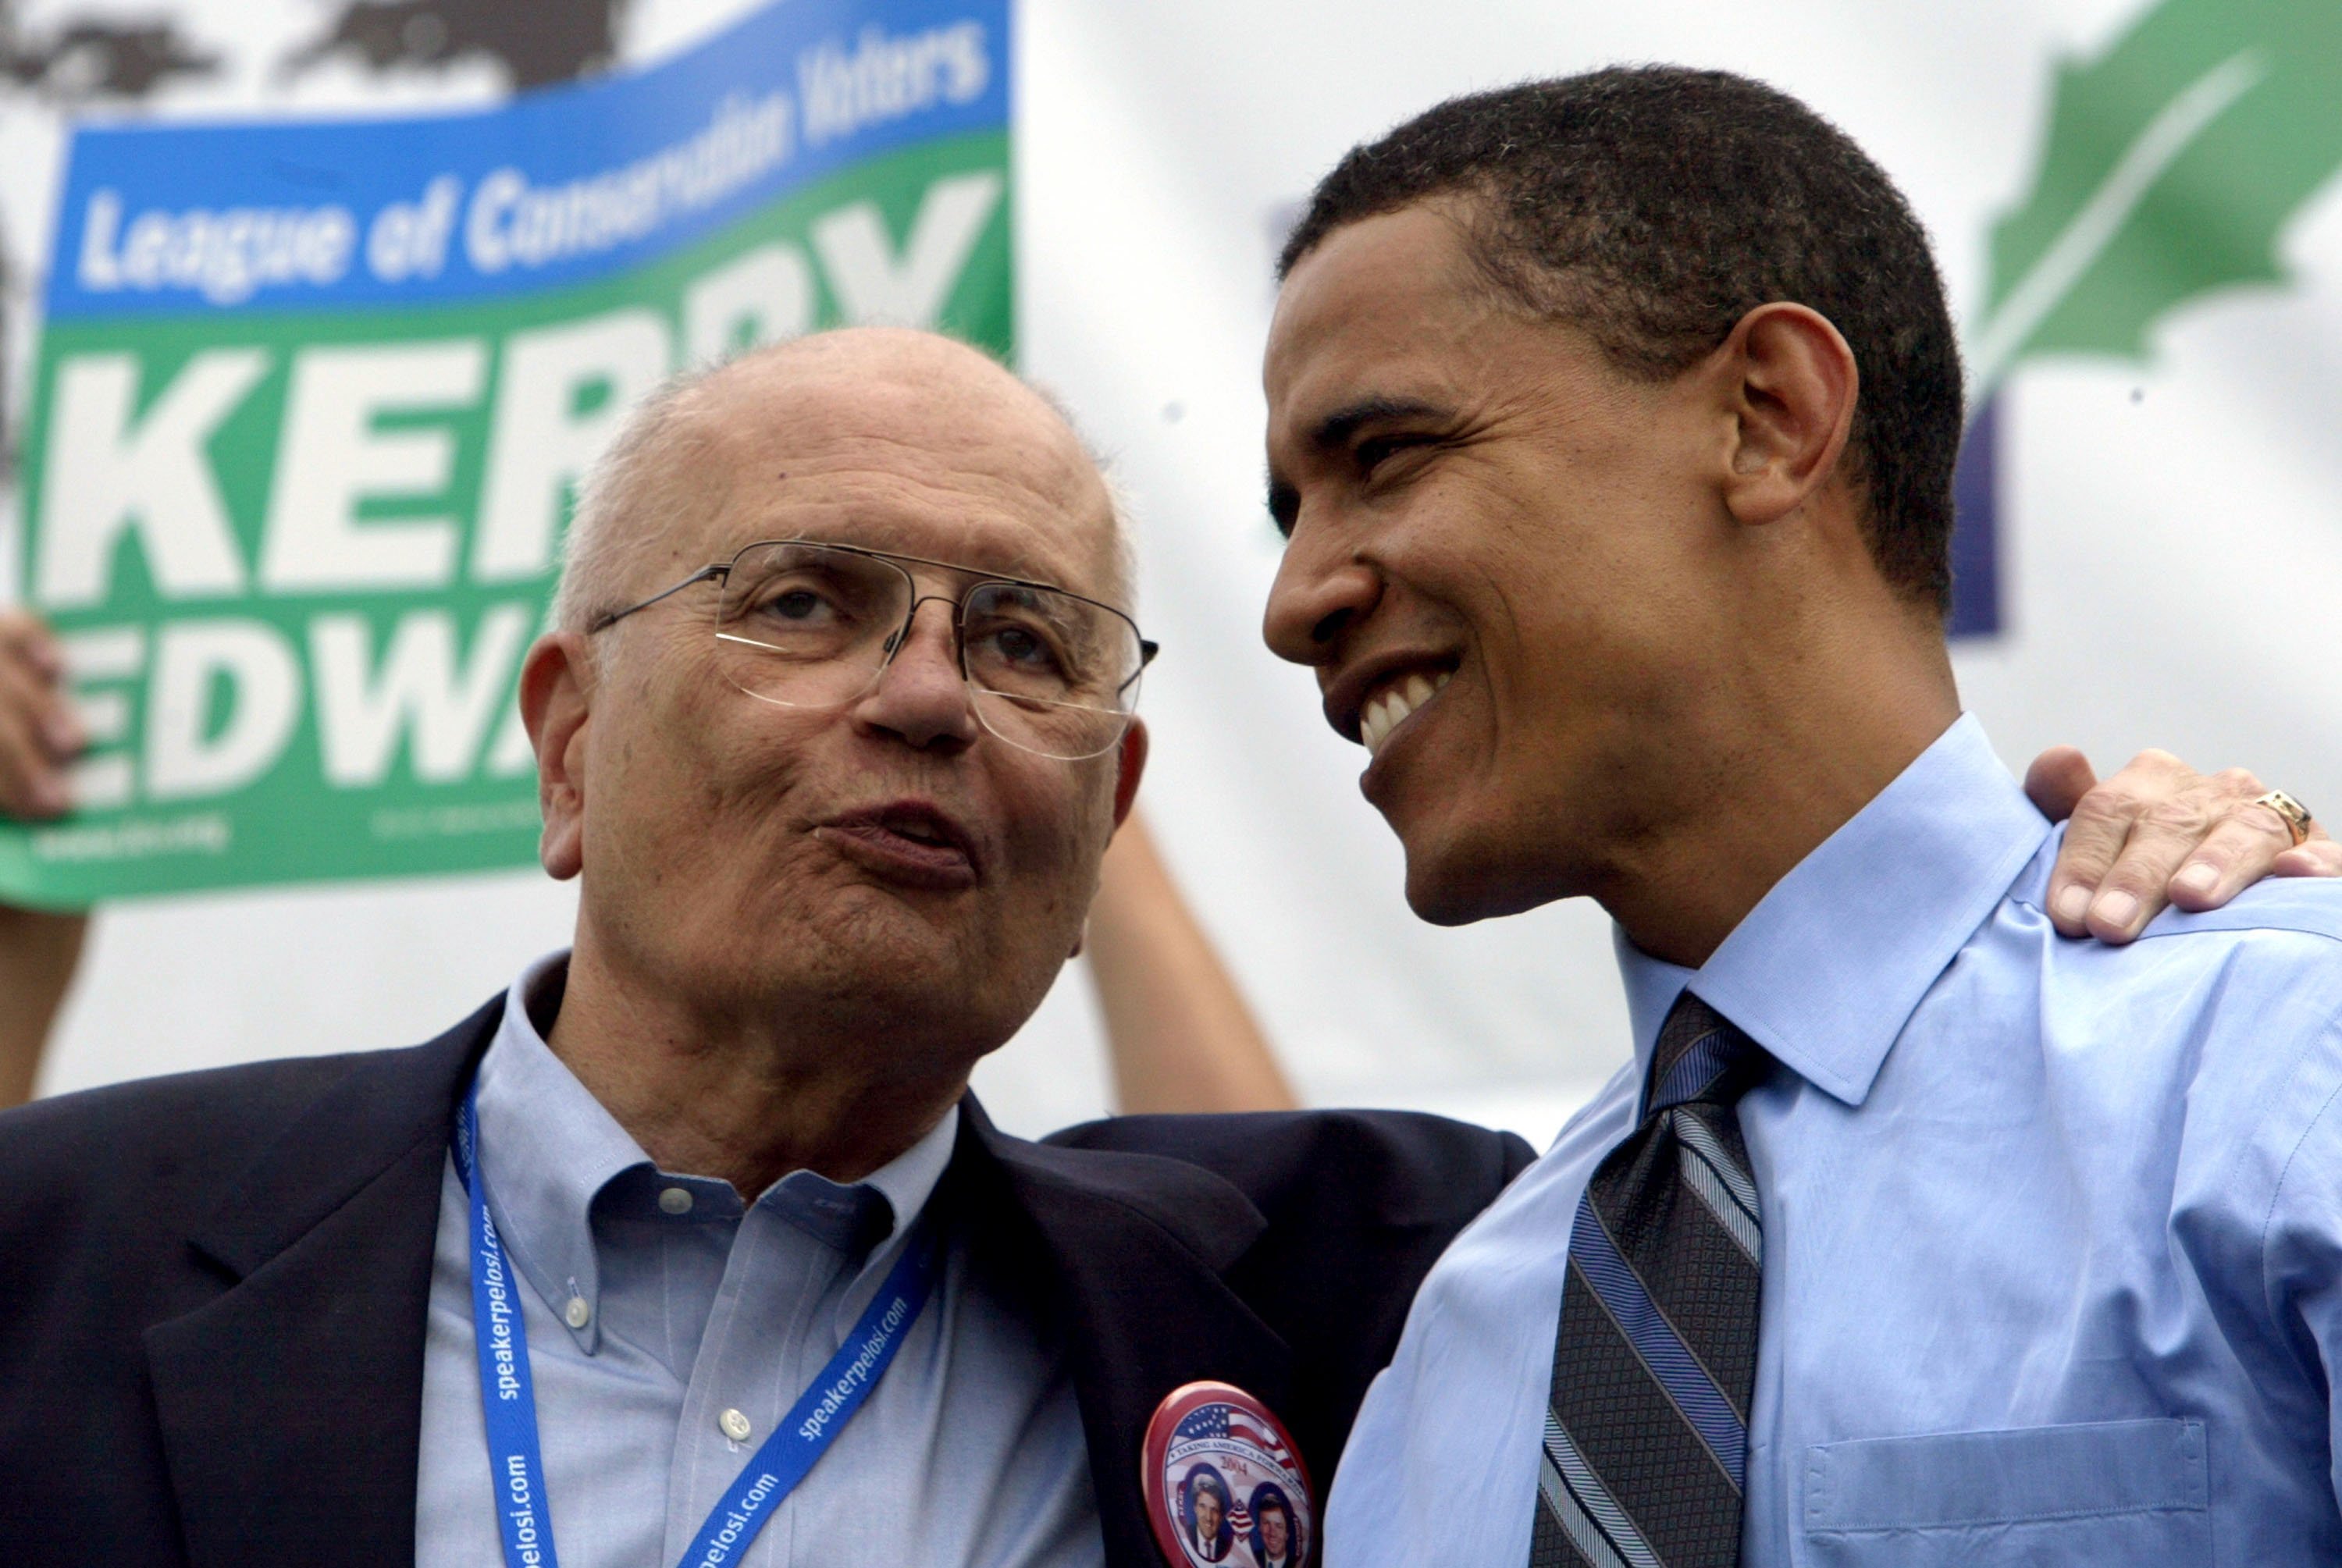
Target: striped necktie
[1647,1425]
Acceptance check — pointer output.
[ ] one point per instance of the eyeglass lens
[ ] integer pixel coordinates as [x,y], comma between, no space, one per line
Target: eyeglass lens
[812,626]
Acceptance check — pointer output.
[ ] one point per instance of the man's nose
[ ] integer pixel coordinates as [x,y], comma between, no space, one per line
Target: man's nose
[1319,593]
[921,696]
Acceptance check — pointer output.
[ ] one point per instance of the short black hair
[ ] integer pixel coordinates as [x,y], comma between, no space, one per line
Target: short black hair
[1654,206]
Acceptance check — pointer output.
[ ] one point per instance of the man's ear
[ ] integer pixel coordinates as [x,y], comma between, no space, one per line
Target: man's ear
[1790,383]
[557,694]
[1130,762]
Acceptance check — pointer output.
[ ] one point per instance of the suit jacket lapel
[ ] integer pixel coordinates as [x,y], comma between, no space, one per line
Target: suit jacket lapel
[291,1404]
[1126,1254]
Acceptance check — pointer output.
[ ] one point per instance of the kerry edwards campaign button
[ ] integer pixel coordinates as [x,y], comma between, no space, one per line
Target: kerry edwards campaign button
[1224,1482]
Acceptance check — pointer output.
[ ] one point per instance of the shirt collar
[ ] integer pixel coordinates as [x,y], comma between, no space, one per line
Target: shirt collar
[1826,969]
[861,1218]
[546,1148]
[549,1148]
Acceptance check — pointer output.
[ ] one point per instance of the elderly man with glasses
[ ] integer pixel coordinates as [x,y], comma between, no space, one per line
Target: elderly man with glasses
[693,1246]
[833,728]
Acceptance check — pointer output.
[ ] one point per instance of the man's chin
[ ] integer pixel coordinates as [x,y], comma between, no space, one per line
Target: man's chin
[921,956]
[1449,886]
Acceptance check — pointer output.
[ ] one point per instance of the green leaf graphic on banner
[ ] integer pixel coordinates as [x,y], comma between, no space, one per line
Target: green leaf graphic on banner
[2174,162]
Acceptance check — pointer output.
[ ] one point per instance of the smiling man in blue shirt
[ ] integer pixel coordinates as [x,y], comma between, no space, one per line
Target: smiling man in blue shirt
[1612,423]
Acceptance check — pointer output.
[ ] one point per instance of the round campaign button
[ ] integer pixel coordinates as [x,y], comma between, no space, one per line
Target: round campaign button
[1223,1482]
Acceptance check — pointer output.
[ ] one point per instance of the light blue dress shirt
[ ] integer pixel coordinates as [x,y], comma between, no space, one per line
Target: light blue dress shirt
[660,1311]
[2053,1230]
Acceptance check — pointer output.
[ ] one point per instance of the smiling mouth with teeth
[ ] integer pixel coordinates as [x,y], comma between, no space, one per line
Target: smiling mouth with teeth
[1386,708]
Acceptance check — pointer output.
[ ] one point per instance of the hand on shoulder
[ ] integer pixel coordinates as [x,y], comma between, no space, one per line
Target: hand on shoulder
[2160,833]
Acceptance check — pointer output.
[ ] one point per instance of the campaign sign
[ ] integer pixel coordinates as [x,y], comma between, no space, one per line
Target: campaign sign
[312,400]
[1224,1483]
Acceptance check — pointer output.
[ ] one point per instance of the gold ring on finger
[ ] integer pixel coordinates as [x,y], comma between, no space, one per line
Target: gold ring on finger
[2296,814]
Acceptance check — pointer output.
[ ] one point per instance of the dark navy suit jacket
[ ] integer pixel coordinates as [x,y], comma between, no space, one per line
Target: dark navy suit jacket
[213,1289]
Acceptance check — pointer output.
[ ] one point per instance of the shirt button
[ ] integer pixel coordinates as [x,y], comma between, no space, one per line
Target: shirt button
[735,1425]
[675,1200]
[578,1314]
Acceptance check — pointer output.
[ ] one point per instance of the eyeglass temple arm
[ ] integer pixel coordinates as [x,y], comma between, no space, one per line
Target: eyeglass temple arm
[705,573]
[1146,652]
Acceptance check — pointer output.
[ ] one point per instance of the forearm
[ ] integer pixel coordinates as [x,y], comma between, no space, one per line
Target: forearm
[38,953]
[1179,1035]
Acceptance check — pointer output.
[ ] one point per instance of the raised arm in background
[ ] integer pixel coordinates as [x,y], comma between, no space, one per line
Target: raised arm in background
[38,953]
[1178,1032]
[39,950]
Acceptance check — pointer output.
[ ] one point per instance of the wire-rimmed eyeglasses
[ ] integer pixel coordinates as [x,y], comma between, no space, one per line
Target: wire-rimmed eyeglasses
[804,623]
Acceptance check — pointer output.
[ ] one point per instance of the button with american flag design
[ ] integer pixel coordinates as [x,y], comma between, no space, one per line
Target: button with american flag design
[1224,1482]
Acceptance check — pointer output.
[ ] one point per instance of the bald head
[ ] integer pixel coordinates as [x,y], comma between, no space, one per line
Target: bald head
[820,437]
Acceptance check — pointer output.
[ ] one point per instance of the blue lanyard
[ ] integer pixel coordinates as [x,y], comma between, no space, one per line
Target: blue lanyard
[508,1397]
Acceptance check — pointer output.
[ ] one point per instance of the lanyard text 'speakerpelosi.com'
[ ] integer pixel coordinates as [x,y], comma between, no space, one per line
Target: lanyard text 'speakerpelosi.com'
[508,1397]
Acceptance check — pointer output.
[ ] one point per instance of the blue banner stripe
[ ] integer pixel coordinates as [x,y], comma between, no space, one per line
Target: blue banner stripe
[559,186]
[1621,1292]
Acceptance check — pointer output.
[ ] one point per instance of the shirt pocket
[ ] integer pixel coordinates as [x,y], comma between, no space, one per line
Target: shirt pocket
[2105,1492]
